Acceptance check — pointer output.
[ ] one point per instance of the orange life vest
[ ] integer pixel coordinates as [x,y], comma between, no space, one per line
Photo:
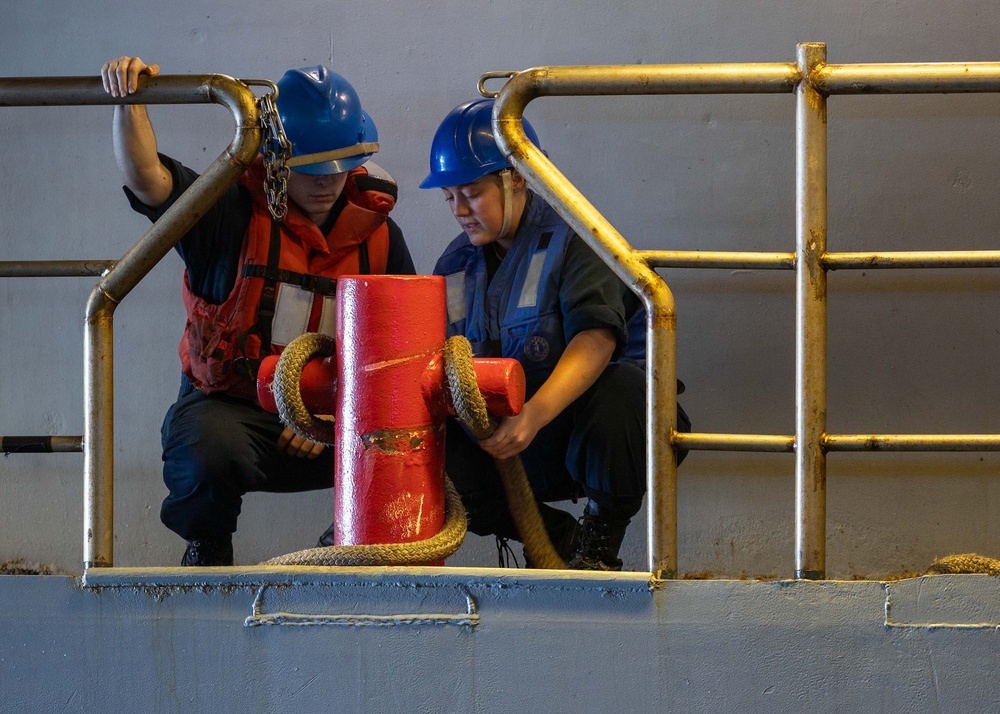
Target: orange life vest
[278,297]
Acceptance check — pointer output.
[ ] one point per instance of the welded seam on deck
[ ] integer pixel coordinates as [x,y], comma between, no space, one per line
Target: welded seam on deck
[257,619]
[166,580]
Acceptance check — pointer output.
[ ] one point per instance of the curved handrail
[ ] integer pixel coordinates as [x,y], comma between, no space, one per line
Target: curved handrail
[812,81]
[139,260]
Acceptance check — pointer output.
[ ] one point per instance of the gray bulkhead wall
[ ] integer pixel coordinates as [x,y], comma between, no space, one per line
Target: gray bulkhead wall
[909,351]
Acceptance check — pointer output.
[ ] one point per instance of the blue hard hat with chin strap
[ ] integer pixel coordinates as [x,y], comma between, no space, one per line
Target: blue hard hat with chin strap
[464,150]
[322,116]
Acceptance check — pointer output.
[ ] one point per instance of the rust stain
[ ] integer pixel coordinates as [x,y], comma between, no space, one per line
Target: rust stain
[665,321]
[396,441]
[873,444]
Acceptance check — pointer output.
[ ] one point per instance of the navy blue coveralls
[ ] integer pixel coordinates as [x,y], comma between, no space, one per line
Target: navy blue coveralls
[547,288]
[217,447]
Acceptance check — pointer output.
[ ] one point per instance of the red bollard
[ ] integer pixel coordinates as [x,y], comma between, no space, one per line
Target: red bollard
[389,393]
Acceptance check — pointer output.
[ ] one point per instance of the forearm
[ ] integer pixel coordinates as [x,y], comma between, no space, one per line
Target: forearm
[583,361]
[135,152]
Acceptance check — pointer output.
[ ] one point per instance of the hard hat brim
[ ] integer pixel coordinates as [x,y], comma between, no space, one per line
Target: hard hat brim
[440,179]
[325,168]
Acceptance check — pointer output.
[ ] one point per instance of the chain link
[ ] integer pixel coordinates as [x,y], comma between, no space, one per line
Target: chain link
[277,149]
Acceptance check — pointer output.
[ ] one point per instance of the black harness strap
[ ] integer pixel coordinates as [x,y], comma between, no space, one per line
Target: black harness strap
[313,283]
[265,310]
[272,275]
[364,266]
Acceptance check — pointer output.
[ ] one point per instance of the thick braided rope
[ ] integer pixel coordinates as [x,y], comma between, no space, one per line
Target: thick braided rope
[295,415]
[471,409]
[287,393]
[421,552]
[965,563]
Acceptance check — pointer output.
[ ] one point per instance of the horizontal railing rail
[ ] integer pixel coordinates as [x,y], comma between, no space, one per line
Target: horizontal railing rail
[118,278]
[812,81]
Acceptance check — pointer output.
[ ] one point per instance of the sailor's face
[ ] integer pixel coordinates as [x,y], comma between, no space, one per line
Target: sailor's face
[478,208]
[315,194]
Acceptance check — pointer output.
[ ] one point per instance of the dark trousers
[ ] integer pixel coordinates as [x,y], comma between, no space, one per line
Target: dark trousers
[217,448]
[595,448]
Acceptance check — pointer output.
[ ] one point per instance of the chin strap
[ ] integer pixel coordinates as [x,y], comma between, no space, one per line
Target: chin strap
[508,202]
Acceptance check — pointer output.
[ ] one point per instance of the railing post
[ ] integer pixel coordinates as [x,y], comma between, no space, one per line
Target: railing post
[99,430]
[126,273]
[810,309]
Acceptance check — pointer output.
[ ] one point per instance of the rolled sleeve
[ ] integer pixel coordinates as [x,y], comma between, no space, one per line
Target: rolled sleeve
[211,249]
[590,295]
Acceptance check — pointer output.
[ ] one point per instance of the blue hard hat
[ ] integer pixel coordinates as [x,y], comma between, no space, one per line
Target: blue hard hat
[464,149]
[322,116]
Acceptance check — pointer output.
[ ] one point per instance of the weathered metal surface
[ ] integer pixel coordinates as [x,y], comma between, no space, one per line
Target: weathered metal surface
[54,268]
[370,638]
[810,319]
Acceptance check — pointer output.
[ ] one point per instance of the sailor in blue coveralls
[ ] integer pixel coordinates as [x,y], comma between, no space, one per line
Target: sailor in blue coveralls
[522,284]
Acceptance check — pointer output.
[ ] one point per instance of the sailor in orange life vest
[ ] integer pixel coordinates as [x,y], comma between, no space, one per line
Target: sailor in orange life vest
[251,285]
[522,284]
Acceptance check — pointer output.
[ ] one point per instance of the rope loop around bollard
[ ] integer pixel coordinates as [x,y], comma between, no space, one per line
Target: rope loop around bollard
[295,415]
[465,395]
[288,393]
[422,552]
[471,409]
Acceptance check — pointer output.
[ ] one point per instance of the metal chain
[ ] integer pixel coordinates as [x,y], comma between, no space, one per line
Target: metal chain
[277,149]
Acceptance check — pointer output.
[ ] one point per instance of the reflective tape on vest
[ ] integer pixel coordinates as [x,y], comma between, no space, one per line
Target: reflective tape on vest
[292,311]
[455,285]
[529,292]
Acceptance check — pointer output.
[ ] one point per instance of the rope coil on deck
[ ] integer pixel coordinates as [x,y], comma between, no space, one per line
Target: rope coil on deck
[421,552]
[965,563]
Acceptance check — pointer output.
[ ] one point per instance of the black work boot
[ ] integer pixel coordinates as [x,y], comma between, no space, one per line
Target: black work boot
[326,539]
[563,530]
[209,551]
[600,540]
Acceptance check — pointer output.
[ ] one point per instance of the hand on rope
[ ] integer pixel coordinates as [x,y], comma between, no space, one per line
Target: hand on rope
[513,435]
[471,409]
[299,447]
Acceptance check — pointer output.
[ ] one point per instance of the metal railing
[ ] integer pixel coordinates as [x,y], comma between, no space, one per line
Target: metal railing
[812,81]
[119,277]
